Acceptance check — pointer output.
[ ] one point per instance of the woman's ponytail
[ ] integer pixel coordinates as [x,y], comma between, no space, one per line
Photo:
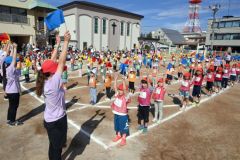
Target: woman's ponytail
[41,77]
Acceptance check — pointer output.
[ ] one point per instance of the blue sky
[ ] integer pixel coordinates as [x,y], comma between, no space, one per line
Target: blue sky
[165,13]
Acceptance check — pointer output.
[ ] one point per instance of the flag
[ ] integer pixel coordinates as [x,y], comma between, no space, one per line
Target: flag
[4,37]
[169,66]
[54,19]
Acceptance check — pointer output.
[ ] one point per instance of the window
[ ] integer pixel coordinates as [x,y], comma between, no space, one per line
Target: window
[221,24]
[4,9]
[19,11]
[236,24]
[235,36]
[128,29]
[228,24]
[104,26]
[215,25]
[226,37]
[122,28]
[219,36]
[96,25]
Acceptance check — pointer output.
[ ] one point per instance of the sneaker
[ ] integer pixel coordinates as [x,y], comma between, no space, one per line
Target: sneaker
[117,138]
[154,120]
[18,123]
[141,127]
[145,129]
[9,123]
[159,121]
[5,98]
[123,142]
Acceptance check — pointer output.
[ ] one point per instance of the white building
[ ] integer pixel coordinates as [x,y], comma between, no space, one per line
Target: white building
[100,27]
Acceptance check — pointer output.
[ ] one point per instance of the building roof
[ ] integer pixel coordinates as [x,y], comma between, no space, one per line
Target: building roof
[95,5]
[174,36]
[29,4]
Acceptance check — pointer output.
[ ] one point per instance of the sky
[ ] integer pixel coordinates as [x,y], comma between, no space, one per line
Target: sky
[172,14]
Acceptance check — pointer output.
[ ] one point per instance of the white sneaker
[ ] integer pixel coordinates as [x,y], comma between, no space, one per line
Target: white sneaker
[154,120]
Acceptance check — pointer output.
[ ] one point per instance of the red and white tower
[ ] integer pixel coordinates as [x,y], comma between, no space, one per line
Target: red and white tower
[193,23]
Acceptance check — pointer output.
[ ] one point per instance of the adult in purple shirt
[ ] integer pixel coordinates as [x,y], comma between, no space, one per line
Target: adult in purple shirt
[49,84]
[12,88]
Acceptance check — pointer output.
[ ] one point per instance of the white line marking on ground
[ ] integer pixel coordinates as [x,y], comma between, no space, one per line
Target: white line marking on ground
[168,118]
[87,134]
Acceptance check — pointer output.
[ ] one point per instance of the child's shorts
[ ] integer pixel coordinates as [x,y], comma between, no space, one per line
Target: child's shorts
[143,113]
[180,74]
[218,84]
[131,86]
[121,124]
[196,91]
[170,77]
[185,94]
[233,78]
[64,80]
[209,86]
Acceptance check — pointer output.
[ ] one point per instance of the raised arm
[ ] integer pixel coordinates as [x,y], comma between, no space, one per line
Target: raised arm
[55,50]
[115,81]
[14,55]
[62,58]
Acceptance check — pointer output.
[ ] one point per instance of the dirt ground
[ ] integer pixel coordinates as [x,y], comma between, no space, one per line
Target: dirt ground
[207,132]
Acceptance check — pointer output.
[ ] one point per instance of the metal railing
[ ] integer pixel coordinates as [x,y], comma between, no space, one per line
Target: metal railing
[13,18]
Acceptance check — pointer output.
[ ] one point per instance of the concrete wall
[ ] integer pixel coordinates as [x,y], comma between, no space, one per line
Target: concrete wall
[100,41]
[222,30]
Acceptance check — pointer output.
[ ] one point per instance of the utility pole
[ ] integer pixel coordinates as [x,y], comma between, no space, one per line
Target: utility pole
[215,8]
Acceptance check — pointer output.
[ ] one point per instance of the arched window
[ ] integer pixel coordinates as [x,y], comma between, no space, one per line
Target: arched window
[104,23]
[128,29]
[96,25]
[122,28]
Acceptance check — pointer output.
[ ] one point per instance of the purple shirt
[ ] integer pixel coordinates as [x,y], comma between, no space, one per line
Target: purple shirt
[13,85]
[54,99]
[3,55]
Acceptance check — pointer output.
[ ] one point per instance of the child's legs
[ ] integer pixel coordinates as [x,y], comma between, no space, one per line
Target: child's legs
[156,105]
[160,104]
[108,89]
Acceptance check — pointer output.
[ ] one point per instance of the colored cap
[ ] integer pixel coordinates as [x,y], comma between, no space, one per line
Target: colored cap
[120,87]
[220,69]
[160,80]
[211,68]
[187,74]
[227,65]
[144,80]
[199,69]
[65,68]
[8,59]
[49,66]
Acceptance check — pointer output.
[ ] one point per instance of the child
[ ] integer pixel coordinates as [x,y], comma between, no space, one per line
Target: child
[108,81]
[25,72]
[233,74]
[119,109]
[180,72]
[197,82]
[238,72]
[185,90]
[138,67]
[93,88]
[65,78]
[154,75]
[158,97]
[226,75]
[80,65]
[210,80]
[218,79]
[144,99]
[131,80]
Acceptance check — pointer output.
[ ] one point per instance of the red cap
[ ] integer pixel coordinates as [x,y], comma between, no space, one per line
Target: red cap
[238,64]
[199,69]
[144,79]
[211,68]
[220,69]
[120,87]
[227,65]
[234,65]
[187,74]
[49,66]
[160,80]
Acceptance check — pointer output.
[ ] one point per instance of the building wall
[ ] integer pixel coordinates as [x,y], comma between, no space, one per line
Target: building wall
[85,30]
[104,44]
[100,41]
[222,30]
